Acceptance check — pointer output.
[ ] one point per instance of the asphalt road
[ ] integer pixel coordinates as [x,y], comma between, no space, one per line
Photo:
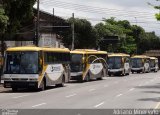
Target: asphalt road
[141,91]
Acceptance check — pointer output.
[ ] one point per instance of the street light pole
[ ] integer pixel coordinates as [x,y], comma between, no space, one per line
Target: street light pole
[37,25]
[73,38]
[136,35]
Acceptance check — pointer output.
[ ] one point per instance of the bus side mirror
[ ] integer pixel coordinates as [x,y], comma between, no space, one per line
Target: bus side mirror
[123,60]
[40,65]
[40,62]
[83,59]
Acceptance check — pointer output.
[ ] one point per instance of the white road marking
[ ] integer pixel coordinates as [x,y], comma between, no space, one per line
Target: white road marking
[157,106]
[20,96]
[152,80]
[140,85]
[99,104]
[92,90]
[146,82]
[38,104]
[131,89]
[71,95]
[119,95]
[105,85]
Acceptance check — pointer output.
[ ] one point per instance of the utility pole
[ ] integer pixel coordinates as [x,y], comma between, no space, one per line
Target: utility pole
[72,32]
[37,25]
[136,36]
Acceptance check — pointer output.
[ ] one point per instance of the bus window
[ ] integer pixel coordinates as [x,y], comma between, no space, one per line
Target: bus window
[76,58]
[22,62]
[115,62]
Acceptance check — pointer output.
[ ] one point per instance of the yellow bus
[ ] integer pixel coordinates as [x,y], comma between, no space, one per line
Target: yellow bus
[88,64]
[36,67]
[140,63]
[119,64]
[154,64]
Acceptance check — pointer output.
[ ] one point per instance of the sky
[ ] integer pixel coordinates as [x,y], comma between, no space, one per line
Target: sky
[136,11]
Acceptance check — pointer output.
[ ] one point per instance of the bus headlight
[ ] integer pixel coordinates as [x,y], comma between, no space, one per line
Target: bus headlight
[7,79]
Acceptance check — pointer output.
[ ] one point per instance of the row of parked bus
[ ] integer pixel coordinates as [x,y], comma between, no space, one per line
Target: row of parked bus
[39,67]
[123,64]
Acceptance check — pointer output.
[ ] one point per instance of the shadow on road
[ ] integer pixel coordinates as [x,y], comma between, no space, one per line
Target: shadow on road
[152,88]
[157,86]
[76,81]
[155,99]
[28,90]
[156,92]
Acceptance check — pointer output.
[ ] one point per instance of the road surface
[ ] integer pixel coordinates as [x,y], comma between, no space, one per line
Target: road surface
[141,91]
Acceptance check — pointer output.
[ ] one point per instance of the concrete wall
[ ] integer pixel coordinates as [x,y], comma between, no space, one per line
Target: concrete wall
[48,40]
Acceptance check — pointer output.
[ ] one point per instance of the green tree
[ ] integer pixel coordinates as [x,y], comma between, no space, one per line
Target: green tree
[85,34]
[157,15]
[20,12]
[3,20]
[122,29]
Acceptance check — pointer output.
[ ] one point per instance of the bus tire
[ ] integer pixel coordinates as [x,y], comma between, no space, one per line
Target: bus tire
[132,72]
[80,80]
[101,77]
[109,74]
[123,73]
[61,84]
[43,84]
[88,78]
[14,89]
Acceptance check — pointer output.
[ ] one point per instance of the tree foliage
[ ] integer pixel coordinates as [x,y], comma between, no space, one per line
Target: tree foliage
[85,34]
[157,15]
[133,38]
[3,20]
[20,12]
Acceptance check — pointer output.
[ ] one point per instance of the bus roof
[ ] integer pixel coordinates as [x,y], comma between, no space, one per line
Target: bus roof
[140,56]
[118,55]
[34,48]
[154,58]
[87,51]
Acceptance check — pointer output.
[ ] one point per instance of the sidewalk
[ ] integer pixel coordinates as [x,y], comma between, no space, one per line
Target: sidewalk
[1,86]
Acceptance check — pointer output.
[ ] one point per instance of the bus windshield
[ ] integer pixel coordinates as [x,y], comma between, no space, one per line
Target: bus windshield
[137,62]
[21,62]
[115,62]
[76,58]
[76,62]
[152,63]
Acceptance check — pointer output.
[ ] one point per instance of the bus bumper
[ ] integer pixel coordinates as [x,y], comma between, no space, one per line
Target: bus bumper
[115,71]
[76,75]
[20,84]
[137,69]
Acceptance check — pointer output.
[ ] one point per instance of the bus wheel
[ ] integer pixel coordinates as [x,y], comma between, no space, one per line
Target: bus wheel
[87,77]
[123,73]
[14,89]
[62,83]
[80,80]
[143,71]
[101,77]
[43,87]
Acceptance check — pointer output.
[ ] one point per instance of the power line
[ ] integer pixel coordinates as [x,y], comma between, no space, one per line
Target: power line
[96,9]
[101,11]
[92,7]
[112,14]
